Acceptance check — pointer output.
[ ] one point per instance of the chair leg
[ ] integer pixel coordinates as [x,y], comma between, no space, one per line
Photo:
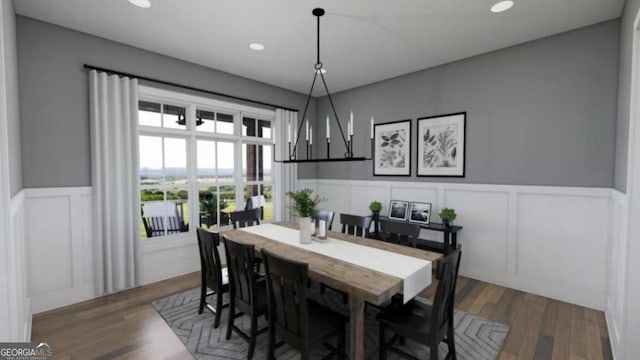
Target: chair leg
[232,315]
[434,355]
[382,343]
[253,335]
[451,342]
[216,322]
[271,349]
[203,295]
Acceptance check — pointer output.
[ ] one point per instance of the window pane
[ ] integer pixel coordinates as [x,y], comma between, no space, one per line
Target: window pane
[249,166]
[227,195]
[267,191]
[248,127]
[206,152]
[264,129]
[205,121]
[264,162]
[226,159]
[175,161]
[150,160]
[174,117]
[177,211]
[225,124]
[149,114]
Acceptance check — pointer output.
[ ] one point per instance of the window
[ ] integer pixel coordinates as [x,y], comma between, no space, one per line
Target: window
[200,160]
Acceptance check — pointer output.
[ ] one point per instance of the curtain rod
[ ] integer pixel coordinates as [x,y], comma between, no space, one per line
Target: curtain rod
[91,67]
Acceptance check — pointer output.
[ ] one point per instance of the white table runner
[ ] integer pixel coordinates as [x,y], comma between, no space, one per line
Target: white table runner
[415,272]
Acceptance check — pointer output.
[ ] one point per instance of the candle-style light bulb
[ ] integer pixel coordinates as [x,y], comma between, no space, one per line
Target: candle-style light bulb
[289,132]
[351,123]
[372,121]
[307,130]
[310,135]
[328,128]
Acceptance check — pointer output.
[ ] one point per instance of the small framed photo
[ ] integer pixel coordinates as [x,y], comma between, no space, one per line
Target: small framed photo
[441,145]
[420,213]
[392,149]
[398,210]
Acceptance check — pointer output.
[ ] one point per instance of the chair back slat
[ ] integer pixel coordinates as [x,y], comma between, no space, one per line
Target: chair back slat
[355,225]
[444,300]
[208,243]
[326,216]
[242,278]
[400,232]
[287,290]
[244,218]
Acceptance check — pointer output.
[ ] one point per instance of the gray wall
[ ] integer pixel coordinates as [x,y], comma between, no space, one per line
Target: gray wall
[13,108]
[540,113]
[624,92]
[54,96]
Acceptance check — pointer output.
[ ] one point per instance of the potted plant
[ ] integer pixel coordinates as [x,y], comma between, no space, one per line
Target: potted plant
[209,207]
[447,215]
[375,208]
[305,207]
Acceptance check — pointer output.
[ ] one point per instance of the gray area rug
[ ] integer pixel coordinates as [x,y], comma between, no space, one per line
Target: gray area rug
[476,337]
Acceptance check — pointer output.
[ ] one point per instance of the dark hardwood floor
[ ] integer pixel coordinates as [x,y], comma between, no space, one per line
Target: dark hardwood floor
[126,326]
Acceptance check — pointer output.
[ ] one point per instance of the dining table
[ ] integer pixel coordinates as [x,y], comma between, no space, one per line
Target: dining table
[368,270]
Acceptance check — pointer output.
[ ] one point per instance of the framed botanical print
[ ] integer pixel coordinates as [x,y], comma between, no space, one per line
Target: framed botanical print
[398,210]
[441,145]
[392,149]
[420,213]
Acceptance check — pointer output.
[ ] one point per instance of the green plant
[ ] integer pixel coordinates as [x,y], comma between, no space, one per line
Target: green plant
[375,206]
[209,203]
[447,214]
[304,204]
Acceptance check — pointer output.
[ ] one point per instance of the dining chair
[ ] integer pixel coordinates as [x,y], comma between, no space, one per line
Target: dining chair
[399,232]
[355,225]
[214,276]
[326,216]
[298,321]
[248,291]
[244,218]
[425,324]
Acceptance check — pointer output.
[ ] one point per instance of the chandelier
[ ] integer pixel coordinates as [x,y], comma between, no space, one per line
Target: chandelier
[347,139]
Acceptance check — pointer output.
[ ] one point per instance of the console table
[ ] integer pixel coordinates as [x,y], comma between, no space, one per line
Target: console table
[450,235]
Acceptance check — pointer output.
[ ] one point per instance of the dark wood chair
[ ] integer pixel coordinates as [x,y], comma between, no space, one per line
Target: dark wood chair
[244,218]
[425,324]
[214,277]
[355,225]
[399,232]
[248,291]
[300,322]
[326,216]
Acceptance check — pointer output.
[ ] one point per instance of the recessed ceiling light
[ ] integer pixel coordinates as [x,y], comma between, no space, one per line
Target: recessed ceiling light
[141,3]
[256,46]
[502,6]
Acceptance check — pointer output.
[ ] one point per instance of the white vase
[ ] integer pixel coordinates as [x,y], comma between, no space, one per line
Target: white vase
[305,229]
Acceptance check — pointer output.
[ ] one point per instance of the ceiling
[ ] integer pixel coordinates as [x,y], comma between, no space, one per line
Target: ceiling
[363,41]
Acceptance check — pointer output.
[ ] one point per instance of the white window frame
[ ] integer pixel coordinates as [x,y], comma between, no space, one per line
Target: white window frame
[191,103]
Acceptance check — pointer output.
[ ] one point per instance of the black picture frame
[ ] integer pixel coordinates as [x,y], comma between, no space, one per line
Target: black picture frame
[376,155]
[460,171]
[393,211]
[416,219]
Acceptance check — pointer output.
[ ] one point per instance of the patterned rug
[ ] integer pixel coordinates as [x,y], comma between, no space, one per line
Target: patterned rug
[476,337]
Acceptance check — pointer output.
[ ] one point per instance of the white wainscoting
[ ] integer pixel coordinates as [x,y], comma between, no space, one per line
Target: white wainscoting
[616,293]
[20,304]
[58,228]
[552,241]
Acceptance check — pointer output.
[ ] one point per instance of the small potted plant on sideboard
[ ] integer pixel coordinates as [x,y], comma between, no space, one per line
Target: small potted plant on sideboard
[375,208]
[447,215]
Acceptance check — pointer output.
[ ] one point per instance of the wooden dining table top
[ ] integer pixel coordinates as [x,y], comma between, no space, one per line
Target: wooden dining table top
[357,281]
